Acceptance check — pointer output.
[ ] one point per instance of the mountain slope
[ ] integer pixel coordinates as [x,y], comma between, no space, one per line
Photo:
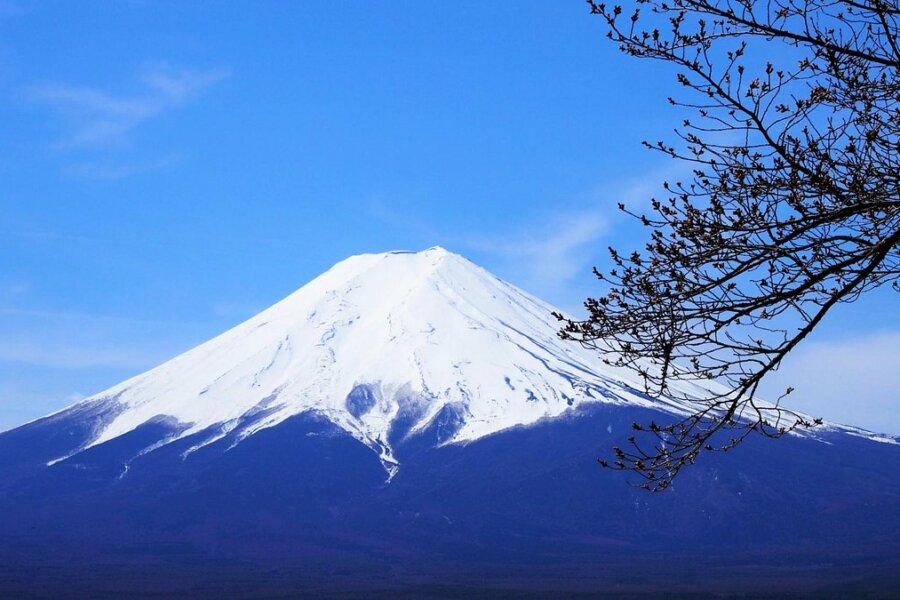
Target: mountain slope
[253,466]
[381,345]
[303,509]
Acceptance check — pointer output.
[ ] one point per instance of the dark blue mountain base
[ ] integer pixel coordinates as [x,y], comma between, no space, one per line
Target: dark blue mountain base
[304,509]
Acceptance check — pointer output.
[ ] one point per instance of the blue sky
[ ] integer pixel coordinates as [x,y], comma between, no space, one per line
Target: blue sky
[168,169]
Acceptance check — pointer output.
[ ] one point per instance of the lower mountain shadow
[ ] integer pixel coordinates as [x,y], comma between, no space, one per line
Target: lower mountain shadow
[304,509]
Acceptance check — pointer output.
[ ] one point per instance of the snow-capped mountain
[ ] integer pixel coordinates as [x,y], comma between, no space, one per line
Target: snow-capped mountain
[254,466]
[377,341]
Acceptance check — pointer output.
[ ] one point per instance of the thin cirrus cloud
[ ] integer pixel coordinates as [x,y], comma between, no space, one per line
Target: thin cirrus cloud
[76,355]
[95,117]
[851,380]
[553,256]
[546,263]
[77,341]
[542,263]
[110,170]
[14,289]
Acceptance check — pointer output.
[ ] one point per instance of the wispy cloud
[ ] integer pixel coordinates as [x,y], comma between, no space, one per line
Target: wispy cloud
[75,354]
[405,219]
[852,380]
[91,319]
[46,356]
[549,251]
[97,117]
[552,254]
[548,256]
[71,340]
[14,289]
[114,170]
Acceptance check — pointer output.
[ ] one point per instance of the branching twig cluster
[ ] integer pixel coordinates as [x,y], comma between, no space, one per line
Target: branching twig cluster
[793,206]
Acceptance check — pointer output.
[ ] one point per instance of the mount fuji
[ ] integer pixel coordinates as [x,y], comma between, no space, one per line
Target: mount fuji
[408,423]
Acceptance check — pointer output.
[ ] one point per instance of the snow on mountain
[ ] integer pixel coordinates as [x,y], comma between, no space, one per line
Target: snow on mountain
[294,408]
[377,340]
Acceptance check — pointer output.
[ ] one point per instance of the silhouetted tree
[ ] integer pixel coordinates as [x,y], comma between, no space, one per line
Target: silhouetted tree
[793,206]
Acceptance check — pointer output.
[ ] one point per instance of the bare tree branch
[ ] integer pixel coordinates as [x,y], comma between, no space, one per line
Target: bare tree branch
[793,208]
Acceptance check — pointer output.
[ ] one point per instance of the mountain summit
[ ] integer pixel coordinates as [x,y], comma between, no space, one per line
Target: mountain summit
[383,346]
